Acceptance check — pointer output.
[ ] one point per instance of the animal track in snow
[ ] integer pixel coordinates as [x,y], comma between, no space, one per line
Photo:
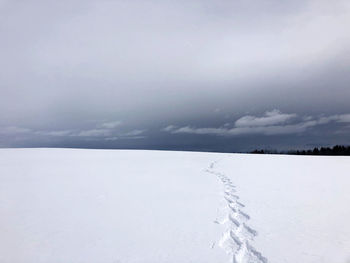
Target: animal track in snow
[238,235]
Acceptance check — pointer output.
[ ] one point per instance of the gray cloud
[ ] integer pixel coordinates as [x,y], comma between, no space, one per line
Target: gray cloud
[169,128]
[201,63]
[111,124]
[95,132]
[343,118]
[105,130]
[271,118]
[110,57]
[14,130]
[55,133]
[134,133]
[272,123]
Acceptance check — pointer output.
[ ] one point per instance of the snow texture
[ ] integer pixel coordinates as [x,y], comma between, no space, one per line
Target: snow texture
[121,206]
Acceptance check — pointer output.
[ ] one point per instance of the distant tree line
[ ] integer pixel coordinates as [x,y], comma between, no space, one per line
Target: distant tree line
[335,150]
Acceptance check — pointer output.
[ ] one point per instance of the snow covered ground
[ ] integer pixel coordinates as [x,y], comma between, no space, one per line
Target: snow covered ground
[118,206]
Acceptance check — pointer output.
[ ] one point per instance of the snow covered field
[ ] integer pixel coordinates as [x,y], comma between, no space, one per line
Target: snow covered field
[118,206]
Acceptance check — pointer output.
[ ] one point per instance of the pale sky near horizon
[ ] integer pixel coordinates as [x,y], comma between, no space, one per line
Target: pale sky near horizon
[199,75]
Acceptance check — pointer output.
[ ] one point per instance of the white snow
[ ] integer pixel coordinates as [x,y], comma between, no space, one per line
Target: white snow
[121,206]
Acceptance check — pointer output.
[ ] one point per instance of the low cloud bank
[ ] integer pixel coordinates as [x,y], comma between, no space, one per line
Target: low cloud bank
[105,131]
[271,123]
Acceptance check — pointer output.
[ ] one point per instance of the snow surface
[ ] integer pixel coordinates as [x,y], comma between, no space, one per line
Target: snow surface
[121,206]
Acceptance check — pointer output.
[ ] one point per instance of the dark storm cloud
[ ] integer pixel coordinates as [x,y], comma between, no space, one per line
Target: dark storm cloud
[112,71]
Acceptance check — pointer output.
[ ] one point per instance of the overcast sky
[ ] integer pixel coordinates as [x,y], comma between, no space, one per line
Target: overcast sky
[197,75]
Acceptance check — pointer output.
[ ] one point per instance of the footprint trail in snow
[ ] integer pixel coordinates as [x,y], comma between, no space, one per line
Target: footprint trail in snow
[237,237]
